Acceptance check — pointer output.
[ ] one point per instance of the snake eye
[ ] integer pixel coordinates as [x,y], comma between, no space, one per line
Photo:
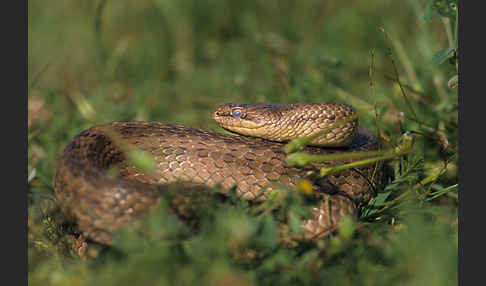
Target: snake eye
[236,113]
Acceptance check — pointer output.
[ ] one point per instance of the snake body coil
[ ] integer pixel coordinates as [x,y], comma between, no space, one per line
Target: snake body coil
[100,204]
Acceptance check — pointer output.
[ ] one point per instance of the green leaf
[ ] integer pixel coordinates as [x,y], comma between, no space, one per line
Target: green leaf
[429,11]
[453,82]
[441,56]
[142,160]
[347,228]
[298,159]
[446,8]
[294,223]
[376,204]
[296,145]
[442,192]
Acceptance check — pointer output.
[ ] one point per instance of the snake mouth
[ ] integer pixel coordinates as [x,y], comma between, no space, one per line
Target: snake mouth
[252,132]
[241,126]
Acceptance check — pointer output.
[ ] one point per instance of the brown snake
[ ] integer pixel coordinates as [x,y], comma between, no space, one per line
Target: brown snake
[100,204]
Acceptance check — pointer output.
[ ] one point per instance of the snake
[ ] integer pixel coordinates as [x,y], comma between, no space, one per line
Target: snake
[252,164]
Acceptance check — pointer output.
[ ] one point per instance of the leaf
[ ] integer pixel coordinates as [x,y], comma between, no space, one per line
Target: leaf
[31,175]
[142,160]
[376,203]
[296,145]
[347,228]
[453,82]
[441,56]
[446,8]
[442,192]
[294,223]
[429,11]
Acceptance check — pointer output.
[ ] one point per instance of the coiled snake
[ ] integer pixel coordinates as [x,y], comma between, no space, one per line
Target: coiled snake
[101,204]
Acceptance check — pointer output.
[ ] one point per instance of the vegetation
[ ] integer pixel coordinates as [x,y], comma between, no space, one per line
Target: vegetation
[92,62]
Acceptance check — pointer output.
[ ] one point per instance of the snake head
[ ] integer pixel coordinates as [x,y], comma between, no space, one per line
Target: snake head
[284,122]
[245,119]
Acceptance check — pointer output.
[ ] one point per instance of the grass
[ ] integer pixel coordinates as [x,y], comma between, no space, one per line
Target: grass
[92,62]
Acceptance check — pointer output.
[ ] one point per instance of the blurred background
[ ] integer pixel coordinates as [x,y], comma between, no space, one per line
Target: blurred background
[91,62]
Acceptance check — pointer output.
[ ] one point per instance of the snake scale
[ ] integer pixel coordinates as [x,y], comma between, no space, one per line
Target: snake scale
[101,204]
